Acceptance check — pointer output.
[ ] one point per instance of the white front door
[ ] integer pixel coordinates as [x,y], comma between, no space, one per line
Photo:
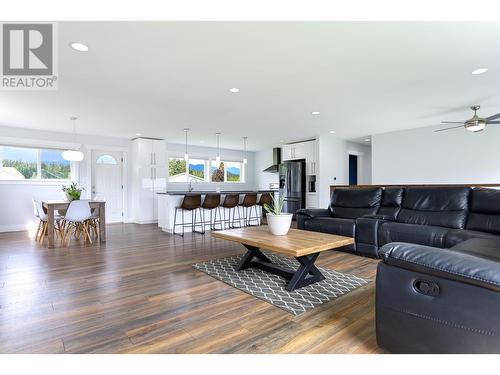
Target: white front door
[107,182]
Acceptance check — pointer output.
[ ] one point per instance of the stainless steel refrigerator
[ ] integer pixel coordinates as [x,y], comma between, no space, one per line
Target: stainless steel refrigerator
[293,185]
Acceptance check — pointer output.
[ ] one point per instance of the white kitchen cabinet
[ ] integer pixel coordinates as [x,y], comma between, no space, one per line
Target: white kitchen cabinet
[286,152]
[293,151]
[150,151]
[150,174]
[312,200]
[311,158]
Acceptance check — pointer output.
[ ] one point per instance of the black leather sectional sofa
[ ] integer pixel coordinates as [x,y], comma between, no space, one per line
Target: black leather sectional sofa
[439,280]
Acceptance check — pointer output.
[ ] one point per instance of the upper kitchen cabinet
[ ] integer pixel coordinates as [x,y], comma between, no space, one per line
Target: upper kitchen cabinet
[150,151]
[293,151]
[302,150]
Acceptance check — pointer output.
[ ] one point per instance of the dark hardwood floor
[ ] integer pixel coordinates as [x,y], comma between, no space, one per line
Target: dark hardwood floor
[139,294]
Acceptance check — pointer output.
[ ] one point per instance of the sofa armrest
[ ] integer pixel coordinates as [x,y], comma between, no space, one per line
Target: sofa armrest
[316,212]
[366,236]
[445,263]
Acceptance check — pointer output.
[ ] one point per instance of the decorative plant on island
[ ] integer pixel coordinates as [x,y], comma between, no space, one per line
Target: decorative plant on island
[278,221]
[73,193]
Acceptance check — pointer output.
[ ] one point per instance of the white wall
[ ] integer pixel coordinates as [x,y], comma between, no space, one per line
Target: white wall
[263,160]
[174,149]
[421,156]
[334,164]
[16,211]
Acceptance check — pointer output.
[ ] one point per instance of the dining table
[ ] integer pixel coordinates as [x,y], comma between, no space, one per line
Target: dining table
[55,205]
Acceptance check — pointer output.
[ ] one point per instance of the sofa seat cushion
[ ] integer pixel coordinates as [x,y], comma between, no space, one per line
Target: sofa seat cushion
[456,236]
[341,227]
[413,233]
[483,247]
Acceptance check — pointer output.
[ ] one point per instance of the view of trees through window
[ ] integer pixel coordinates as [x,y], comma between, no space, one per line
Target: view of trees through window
[204,170]
[19,163]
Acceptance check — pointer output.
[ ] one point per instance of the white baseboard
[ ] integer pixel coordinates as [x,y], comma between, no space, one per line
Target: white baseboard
[14,228]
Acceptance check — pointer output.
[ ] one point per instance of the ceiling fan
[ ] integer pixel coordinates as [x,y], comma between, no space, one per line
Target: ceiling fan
[474,124]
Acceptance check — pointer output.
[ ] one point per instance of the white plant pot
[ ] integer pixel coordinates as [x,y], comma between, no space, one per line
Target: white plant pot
[279,224]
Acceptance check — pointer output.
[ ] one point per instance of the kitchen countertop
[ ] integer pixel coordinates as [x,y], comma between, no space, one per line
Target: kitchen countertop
[203,192]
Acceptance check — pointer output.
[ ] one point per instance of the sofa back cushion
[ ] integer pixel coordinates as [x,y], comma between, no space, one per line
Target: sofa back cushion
[391,202]
[354,203]
[484,212]
[444,207]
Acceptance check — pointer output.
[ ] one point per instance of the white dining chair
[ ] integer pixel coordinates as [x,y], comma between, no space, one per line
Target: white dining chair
[41,231]
[76,221]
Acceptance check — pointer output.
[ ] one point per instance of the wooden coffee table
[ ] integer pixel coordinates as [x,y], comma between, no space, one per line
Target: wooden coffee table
[303,245]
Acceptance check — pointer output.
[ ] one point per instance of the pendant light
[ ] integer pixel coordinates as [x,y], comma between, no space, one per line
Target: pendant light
[186,155]
[217,159]
[73,155]
[245,150]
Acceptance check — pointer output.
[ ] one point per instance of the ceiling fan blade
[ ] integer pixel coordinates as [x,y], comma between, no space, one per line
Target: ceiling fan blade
[453,127]
[452,122]
[493,122]
[494,117]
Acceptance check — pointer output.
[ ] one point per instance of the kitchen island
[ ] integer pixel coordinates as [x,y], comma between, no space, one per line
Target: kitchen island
[168,201]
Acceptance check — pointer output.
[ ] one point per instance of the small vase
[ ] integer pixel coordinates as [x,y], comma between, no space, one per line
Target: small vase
[279,224]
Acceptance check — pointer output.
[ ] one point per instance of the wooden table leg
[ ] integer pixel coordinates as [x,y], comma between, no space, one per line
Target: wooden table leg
[50,223]
[102,223]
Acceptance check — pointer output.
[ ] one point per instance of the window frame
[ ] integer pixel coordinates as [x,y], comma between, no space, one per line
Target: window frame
[38,179]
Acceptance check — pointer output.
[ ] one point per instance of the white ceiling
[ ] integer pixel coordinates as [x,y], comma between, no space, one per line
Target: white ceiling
[157,78]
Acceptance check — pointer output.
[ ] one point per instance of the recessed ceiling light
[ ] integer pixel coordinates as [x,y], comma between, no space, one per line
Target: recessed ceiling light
[138,134]
[479,71]
[79,47]
[234,90]
[315,112]
[332,131]
[367,140]
[281,141]
[202,141]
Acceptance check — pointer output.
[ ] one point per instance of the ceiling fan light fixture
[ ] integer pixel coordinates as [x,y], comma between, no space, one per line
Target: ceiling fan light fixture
[479,71]
[475,126]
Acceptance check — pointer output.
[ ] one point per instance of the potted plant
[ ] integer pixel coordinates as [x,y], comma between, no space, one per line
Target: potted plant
[73,193]
[278,222]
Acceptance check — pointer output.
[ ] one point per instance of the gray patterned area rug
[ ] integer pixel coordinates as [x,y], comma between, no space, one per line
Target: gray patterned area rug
[271,288]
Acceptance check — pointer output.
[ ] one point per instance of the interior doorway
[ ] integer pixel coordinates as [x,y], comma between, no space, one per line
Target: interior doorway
[353,169]
[107,182]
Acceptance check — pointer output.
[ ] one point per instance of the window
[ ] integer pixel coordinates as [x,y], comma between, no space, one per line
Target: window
[233,173]
[204,170]
[106,159]
[53,166]
[21,163]
[197,169]
[226,171]
[217,172]
[177,170]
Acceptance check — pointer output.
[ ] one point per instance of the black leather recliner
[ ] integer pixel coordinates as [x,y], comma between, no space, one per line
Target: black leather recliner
[432,300]
[340,217]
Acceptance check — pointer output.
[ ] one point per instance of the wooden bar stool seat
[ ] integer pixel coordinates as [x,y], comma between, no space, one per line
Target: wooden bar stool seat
[249,202]
[265,198]
[229,204]
[212,203]
[192,203]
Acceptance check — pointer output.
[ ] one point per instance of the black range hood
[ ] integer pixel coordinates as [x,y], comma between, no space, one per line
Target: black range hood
[276,161]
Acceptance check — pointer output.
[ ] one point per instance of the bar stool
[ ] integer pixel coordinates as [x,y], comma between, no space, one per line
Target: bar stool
[211,203]
[230,202]
[265,198]
[249,202]
[190,203]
